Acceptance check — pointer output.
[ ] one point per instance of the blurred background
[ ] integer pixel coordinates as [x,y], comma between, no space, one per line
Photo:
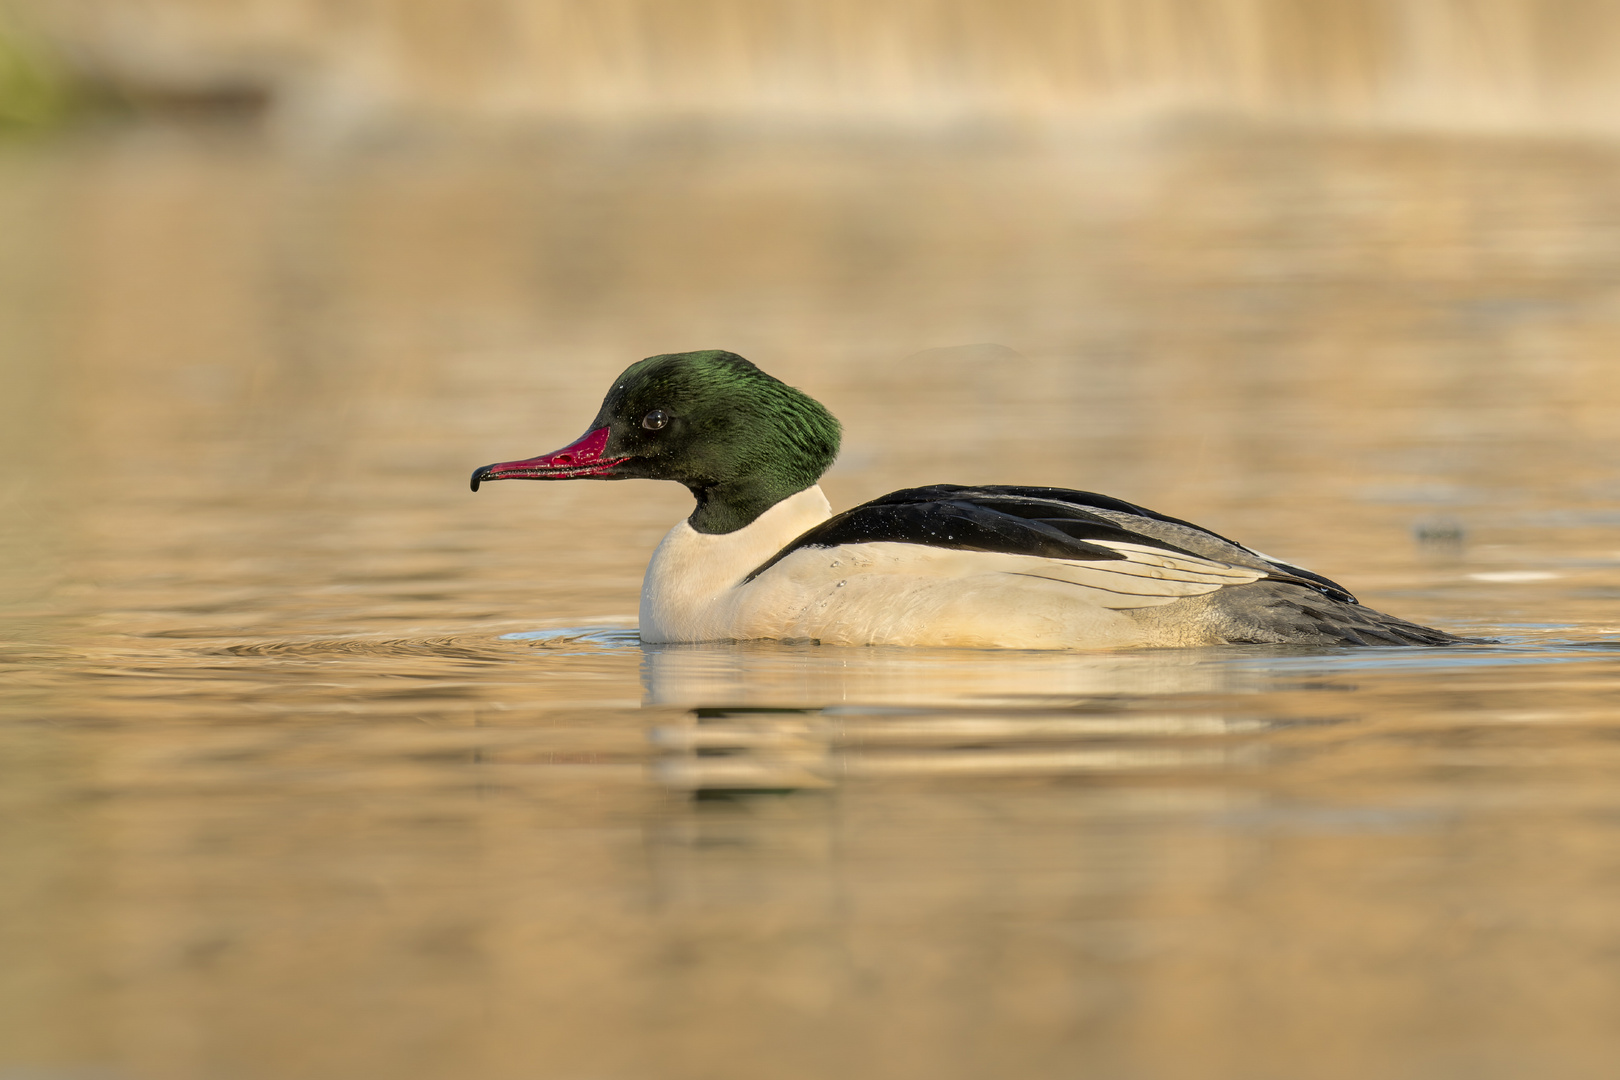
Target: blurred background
[1540,65]
[1339,278]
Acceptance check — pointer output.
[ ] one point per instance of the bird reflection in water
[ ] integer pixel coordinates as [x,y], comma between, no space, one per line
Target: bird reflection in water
[765,717]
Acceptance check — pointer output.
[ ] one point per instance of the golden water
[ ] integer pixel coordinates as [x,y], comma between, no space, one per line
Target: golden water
[284,797]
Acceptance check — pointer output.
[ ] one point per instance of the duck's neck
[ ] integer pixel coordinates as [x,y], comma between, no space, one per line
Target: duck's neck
[727,507]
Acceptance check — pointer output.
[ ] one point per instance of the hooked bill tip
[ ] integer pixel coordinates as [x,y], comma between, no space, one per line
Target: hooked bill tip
[479,474]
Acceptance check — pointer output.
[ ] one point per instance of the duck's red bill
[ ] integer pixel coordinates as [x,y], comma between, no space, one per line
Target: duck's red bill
[578,459]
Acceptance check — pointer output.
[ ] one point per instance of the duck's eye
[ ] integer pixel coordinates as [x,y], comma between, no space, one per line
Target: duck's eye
[655,420]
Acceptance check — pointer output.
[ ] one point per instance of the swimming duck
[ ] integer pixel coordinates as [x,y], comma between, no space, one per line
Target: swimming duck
[764,557]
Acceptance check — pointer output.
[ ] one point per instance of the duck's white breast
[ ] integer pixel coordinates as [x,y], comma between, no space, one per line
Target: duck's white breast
[690,594]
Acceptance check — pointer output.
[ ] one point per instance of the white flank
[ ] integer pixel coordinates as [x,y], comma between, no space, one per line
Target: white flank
[891,593]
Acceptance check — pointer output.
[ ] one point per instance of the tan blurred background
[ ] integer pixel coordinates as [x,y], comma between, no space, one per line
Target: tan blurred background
[1458,64]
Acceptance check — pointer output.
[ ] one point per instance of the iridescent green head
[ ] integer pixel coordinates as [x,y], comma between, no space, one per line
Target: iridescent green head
[739,439]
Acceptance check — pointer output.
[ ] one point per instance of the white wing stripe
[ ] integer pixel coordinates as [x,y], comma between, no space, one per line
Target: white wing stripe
[1212,575]
[1106,589]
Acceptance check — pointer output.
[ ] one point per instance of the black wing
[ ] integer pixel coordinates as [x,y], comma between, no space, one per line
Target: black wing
[1051,523]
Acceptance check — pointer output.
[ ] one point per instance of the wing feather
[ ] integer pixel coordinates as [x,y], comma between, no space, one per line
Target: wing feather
[1132,556]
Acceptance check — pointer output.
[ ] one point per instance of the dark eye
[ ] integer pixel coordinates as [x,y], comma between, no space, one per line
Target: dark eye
[655,420]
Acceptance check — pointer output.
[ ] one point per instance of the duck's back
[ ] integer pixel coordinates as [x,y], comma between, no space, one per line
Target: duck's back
[1026,567]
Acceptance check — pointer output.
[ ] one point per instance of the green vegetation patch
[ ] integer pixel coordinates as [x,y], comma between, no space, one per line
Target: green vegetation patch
[36,91]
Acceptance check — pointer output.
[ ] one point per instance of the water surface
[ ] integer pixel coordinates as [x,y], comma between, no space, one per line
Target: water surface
[320,766]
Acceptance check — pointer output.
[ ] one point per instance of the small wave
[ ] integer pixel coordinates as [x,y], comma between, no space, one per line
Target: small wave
[577,637]
[1501,652]
[460,648]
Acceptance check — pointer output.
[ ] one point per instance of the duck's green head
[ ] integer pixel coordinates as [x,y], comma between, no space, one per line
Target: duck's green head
[741,440]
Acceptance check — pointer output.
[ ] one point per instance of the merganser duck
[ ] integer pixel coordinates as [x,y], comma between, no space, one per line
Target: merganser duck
[763,556]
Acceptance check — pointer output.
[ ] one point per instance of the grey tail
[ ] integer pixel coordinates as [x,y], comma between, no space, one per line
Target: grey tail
[1273,615]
